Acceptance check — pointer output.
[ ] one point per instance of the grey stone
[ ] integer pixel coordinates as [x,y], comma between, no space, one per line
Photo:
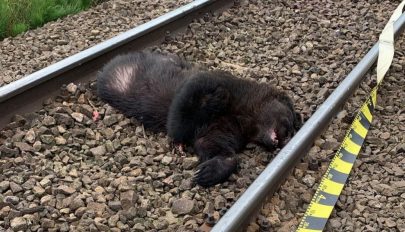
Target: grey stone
[19,223]
[47,139]
[37,145]
[71,88]
[47,223]
[64,119]
[167,160]
[80,211]
[86,110]
[138,227]
[95,32]
[108,133]
[98,208]
[308,180]
[98,151]
[114,205]
[77,116]
[209,208]
[132,212]
[23,146]
[190,163]
[30,136]
[100,226]
[65,190]
[183,206]
[8,152]
[160,224]
[45,182]
[219,202]
[48,121]
[128,199]
[60,140]
[335,223]
[4,185]
[110,120]
[112,221]
[15,188]
[4,211]
[11,199]
[76,203]
[29,184]
[47,199]
[186,184]
[390,223]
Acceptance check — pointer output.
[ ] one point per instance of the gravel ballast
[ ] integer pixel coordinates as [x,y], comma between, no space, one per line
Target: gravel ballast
[64,169]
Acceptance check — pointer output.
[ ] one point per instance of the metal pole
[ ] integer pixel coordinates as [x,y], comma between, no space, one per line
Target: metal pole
[266,184]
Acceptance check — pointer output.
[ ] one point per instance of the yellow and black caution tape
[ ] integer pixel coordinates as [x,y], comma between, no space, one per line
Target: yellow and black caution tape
[334,179]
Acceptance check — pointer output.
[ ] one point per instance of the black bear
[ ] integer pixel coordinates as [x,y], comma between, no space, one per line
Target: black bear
[212,111]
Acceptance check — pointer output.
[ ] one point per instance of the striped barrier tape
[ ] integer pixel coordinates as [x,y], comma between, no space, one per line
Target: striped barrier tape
[333,181]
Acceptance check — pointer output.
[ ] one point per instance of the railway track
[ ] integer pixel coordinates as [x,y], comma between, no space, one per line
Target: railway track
[105,162]
[82,66]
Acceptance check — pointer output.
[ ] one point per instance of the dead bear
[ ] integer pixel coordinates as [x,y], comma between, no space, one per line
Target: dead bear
[214,112]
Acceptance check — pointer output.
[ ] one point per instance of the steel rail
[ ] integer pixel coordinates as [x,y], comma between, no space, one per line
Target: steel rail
[28,93]
[239,215]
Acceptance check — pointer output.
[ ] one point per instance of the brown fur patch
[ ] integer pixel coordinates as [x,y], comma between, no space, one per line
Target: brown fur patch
[124,75]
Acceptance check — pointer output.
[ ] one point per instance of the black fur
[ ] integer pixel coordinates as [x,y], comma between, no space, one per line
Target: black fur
[142,85]
[216,145]
[259,109]
[212,111]
[219,114]
[202,99]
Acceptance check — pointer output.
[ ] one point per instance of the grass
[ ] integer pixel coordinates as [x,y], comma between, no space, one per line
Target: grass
[17,16]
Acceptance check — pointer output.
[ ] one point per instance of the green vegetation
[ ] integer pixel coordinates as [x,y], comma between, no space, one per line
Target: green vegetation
[17,16]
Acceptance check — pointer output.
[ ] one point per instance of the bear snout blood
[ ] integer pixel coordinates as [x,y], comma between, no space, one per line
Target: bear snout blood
[273,136]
